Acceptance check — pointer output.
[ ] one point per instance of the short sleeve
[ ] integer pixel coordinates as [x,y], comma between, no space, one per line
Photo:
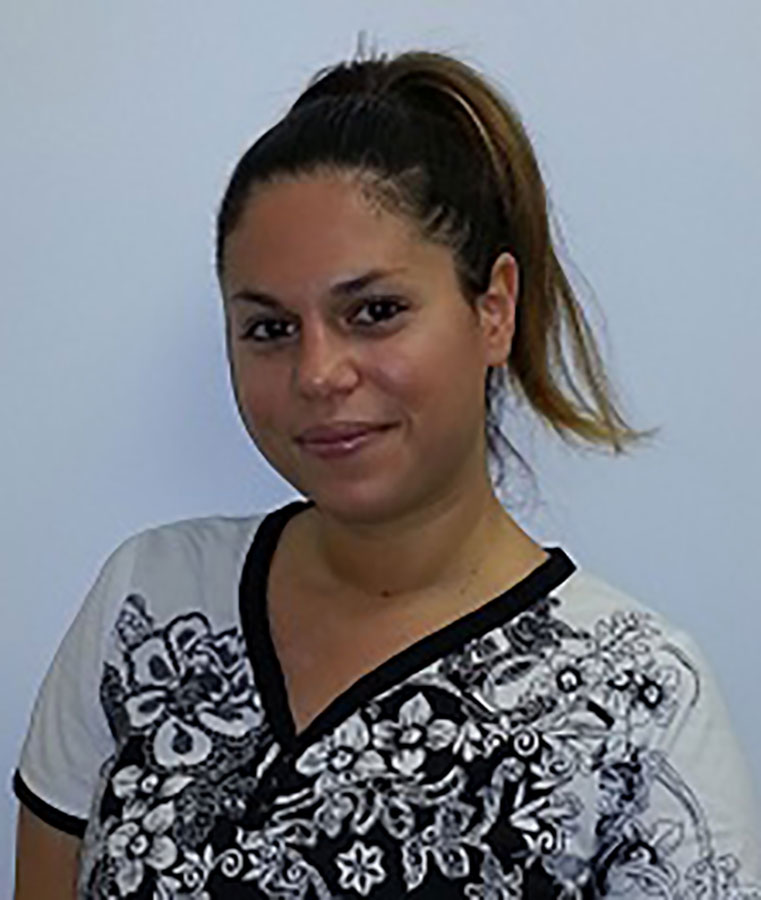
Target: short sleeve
[689,803]
[68,739]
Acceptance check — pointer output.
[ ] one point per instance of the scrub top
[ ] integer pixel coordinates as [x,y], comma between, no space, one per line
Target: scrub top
[563,740]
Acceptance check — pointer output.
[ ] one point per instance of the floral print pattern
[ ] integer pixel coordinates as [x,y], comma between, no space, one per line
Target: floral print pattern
[526,762]
[139,843]
[361,868]
[187,687]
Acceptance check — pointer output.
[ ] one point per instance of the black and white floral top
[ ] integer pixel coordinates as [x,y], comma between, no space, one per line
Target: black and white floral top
[561,741]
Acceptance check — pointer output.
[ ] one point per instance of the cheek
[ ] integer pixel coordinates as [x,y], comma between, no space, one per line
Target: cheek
[267,406]
[425,377]
[259,398]
[400,379]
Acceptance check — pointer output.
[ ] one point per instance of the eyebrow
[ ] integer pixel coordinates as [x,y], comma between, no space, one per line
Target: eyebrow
[340,289]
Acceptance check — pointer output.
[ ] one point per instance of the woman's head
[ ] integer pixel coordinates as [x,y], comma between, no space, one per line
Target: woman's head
[339,310]
[426,142]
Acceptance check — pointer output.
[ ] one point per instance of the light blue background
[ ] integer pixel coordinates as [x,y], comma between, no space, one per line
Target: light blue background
[120,123]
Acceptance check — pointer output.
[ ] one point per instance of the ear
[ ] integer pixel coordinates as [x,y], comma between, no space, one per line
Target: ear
[496,309]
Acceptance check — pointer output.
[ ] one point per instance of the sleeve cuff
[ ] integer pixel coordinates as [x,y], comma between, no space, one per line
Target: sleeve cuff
[49,814]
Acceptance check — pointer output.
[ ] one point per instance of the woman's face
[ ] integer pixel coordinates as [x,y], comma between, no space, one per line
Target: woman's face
[365,323]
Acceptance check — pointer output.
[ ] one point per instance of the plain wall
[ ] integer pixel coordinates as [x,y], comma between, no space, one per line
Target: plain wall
[120,126]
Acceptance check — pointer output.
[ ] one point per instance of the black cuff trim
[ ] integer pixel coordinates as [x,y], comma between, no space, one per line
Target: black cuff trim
[49,814]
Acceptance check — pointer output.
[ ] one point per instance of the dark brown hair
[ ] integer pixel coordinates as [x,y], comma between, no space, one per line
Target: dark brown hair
[430,138]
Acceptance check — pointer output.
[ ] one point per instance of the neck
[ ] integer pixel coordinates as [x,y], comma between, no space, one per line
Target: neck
[441,545]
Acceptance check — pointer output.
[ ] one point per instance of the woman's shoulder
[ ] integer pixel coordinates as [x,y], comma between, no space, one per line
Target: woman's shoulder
[177,567]
[202,543]
[632,649]
[594,604]
[218,534]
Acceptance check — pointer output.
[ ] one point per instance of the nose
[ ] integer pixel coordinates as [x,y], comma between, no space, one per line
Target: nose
[324,364]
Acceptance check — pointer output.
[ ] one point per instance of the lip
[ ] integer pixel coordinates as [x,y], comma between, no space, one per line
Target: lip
[347,446]
[340,431]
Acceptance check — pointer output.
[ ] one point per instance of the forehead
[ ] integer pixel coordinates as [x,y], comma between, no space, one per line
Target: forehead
[315,230]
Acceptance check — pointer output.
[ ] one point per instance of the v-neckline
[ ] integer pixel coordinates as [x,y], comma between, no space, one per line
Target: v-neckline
[268,673]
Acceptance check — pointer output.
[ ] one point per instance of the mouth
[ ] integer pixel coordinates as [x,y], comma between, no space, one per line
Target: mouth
[339,431]
[343,447]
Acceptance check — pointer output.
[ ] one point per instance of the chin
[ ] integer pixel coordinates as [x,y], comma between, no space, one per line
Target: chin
[365,504]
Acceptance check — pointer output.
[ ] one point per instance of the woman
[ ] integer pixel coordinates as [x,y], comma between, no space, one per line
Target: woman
[388,688]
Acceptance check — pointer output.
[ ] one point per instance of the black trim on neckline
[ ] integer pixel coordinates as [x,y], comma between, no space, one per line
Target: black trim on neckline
[49,814]
[254,617]
[268,674]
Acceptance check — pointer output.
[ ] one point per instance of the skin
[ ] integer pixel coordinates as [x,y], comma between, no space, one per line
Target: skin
[421,495]
[46,860]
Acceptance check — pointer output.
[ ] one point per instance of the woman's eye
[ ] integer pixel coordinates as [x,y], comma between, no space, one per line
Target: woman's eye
[249,333]
[379,303]
[377,307]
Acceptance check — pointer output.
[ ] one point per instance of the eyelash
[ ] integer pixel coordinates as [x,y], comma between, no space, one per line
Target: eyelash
[248,333]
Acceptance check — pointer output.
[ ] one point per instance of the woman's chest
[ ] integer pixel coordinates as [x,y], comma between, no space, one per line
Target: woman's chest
[409,791]
[321,655]
[324,639]
[322,648]
[406,784]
